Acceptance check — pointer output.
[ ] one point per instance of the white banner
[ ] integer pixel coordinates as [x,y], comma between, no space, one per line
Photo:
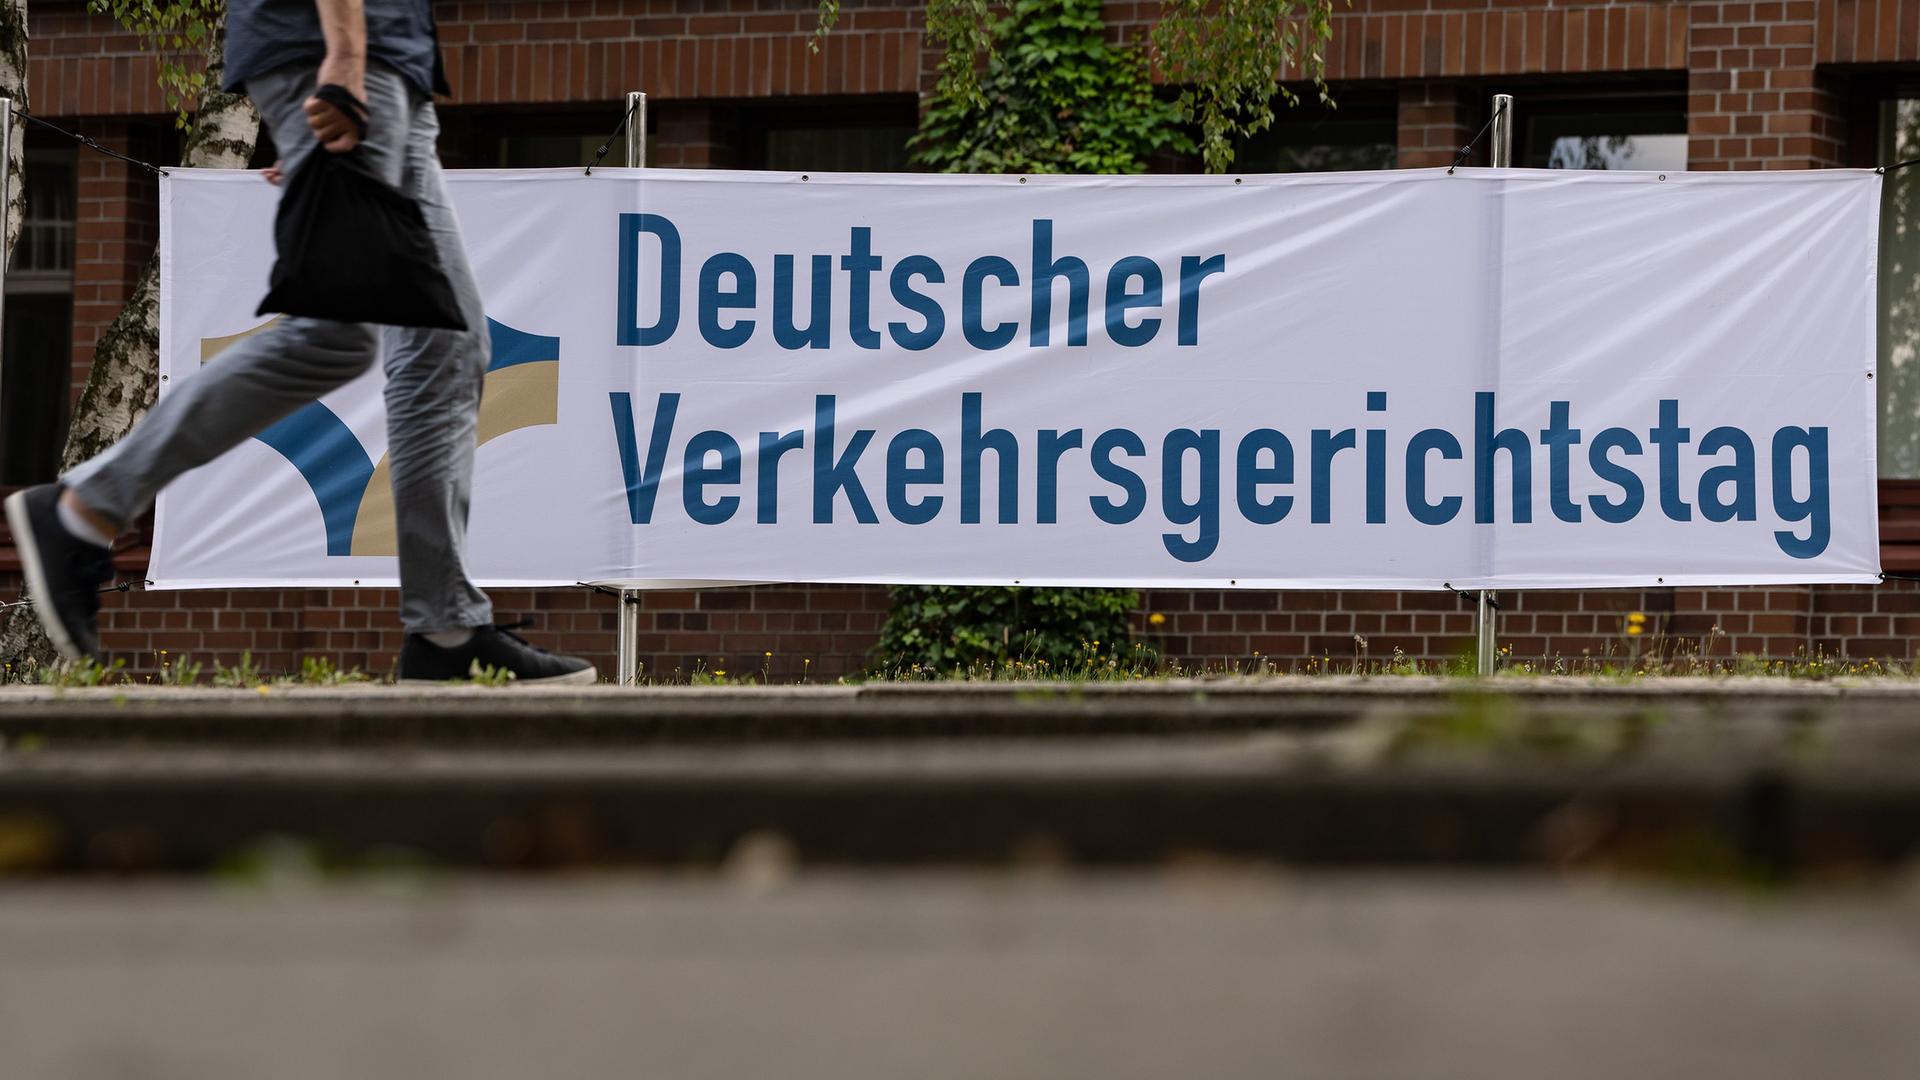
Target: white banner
[1516,379]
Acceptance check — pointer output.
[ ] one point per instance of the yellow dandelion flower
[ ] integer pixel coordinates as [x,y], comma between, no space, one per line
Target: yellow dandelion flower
[1156,619]
[1633,629]
[1636,618]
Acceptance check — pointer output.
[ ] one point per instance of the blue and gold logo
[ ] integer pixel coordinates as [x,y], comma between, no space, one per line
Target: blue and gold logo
[522,390]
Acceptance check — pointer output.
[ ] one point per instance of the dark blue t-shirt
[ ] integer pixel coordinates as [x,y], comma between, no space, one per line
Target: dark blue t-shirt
[263,35]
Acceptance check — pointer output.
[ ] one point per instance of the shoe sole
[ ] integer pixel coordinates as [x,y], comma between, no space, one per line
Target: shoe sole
[583,676]
[28,546]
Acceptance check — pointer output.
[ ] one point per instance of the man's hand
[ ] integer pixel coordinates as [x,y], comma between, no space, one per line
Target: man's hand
[343,24]
[273,173]
[333,129]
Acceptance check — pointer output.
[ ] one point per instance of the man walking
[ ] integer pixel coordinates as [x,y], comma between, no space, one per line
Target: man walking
[384,53]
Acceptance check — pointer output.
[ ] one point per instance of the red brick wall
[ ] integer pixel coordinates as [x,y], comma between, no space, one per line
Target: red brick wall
[821,632]
[1758,97]
[1230,628]
[1436,122]
[1754,98]
[118,226]
[596,50]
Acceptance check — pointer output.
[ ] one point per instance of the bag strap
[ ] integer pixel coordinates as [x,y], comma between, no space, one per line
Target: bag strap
[351,107]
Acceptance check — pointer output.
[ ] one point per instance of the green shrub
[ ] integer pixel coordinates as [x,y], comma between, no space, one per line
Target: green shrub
[944,628]
[1056,97]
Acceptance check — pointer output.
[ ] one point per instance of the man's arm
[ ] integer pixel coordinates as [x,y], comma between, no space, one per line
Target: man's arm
[344,24]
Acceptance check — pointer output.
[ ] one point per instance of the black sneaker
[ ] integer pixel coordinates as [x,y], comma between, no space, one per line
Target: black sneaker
[491,647]
[64,573]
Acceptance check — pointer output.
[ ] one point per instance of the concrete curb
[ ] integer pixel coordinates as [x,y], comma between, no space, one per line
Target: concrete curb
[375,714]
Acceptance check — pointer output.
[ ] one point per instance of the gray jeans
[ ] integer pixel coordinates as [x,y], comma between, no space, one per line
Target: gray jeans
[433,376]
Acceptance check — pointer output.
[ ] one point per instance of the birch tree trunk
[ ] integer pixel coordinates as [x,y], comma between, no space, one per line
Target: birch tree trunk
[126,360]
[13,84]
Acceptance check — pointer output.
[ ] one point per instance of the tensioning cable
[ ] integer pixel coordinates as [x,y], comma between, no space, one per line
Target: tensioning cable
[1475,141]
[89,142]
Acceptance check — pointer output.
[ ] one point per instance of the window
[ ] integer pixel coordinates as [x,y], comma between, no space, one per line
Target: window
[1603,132]
[851,135]
[45,251]
[843,149]
[556,151]
[37,371]
[1899,381]
[1359,134]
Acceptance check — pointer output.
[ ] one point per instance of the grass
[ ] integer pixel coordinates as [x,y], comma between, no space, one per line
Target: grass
[1633,658]
[173,670]
[1630,656]
[243,675]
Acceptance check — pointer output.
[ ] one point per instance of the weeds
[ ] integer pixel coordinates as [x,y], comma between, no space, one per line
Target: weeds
[177,672]
[78,673]
[320,671]
[1634,652]
[242,676]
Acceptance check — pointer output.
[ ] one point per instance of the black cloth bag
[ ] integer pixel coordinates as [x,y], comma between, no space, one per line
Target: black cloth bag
[351,248]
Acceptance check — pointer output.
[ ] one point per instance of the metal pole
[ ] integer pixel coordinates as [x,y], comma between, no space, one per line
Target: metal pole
[1503,131]
[636,129]
[628,665]
[629,662]
[1483,609]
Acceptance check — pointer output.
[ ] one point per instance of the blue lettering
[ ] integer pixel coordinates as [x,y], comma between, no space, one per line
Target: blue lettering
[1739,474]
[629,331]
[1426,442]
[1006,450]
[1559,439]
[1205,508]
[1326,444]
[860,262]
[974,281]
[697,476]
[1045,271]
[1669,436]
[901,476]
[819,331]
[830,476]
[1128,481]
[901,281]
[1249,474]
[1486,443]
[1813,509]
[714,299]
[1193,271]
[1632,492]
[772,447]
[1120,300]
[1053,444]
[642,486]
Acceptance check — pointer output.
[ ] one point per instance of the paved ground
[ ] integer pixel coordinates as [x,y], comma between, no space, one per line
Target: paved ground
[328,946]
[1762,776]
[1194,973]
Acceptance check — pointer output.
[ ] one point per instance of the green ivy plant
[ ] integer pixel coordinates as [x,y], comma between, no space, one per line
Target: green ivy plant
[177,32]
[934,630]
[1225,56]
[1056,96]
